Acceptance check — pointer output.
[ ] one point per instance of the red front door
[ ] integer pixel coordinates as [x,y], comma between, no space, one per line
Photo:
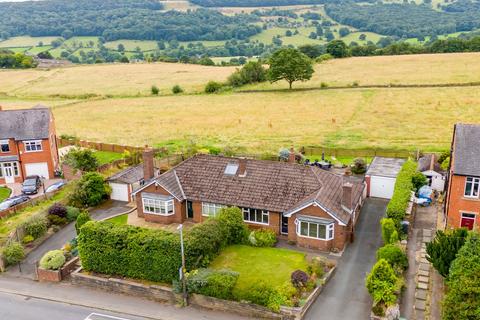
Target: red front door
[468,220]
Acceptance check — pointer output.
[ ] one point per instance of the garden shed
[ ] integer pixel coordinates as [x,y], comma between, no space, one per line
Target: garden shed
[429,166]
[382,175]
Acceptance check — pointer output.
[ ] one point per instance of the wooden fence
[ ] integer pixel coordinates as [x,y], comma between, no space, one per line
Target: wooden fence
[100,146]
[361,153]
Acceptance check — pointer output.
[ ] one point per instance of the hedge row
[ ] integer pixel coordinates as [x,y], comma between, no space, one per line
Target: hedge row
[397,206]
[153,254]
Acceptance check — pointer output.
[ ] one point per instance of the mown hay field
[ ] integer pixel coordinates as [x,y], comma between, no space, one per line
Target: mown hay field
[351,118]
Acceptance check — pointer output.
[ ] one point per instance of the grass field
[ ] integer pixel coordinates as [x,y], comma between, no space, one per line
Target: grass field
[26,41]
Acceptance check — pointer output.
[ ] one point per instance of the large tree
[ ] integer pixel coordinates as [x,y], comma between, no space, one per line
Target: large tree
[291,65]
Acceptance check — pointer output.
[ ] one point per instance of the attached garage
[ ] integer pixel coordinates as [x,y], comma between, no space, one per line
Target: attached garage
[126,181]
[39,169]
[120,191]
[381,176]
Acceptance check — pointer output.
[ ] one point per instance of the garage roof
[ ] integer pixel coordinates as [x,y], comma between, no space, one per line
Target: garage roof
[385,167]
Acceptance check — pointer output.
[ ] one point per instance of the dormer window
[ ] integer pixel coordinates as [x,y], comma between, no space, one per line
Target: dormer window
[4,146]
[231,169]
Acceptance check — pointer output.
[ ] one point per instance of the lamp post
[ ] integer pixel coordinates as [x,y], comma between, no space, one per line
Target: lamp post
[182,269]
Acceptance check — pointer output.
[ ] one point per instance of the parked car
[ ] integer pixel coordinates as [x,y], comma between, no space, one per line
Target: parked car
[56,186]
[13,201]
[31,184]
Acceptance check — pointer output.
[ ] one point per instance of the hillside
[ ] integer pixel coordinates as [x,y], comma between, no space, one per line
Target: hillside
[259,121]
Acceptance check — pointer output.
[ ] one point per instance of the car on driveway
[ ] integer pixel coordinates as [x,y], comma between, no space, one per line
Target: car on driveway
[31,184]
[10,202]
[56,186]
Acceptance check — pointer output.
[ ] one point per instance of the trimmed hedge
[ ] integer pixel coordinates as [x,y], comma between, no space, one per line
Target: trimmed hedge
[53,260]
[213,283]
[262,238]
[397,206]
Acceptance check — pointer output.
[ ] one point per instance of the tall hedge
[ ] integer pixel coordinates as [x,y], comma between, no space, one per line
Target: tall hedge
[397,206]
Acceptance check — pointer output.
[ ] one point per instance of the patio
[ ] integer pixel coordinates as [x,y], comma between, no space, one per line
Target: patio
[134,220]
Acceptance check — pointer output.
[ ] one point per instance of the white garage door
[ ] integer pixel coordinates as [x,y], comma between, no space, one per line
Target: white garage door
[39,169]
[119,191]
[381,187]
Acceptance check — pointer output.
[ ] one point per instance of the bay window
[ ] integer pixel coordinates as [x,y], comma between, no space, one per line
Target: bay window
[315,228]
[472,186]
[255,215]
[211,209]
[158,206]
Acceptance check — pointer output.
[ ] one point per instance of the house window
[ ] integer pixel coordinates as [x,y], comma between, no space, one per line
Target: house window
[471,187]
[4,146]
[33,146]
[12,169]
[255,215]
[314,230]
[211,209]
[160,207]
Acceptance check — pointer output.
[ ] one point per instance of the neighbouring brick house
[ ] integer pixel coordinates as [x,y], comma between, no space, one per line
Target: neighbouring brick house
[462,204]
[27,144]
[304,204]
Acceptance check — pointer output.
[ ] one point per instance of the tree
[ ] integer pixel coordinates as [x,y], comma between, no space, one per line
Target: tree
[81,159]
[312,51]
[329,35]
[381,283]
[90,191]
[312,35]
[462,298]
[154,89]
[443,249]
[362,37]
[121,48]
[338,49]
[288,33]
[344,32]
[82,218]
[291,65]
[161,45]
[419,180]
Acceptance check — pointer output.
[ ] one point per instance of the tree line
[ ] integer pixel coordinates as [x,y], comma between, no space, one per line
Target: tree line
[11,60]
[122,19]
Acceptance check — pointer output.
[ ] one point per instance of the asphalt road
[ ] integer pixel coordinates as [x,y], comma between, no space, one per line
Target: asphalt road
[17,307]
[345,296]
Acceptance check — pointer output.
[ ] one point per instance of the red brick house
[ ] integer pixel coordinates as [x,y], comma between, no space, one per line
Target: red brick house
[27,144]
[462,205]
[304,204]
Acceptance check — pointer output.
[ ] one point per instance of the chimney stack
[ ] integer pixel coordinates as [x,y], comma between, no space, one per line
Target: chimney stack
[347,196]
[242,167]
[291,156]
[432,162]
[148,169]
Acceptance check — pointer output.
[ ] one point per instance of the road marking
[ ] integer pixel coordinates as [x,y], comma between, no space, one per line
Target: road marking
[99,316]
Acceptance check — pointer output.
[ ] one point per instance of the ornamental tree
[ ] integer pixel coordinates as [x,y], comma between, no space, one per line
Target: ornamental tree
[291,65]
[443,249]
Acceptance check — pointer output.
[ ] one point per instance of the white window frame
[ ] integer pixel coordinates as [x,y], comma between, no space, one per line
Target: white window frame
[13,165]
[470,213]
[4,142]
[255,212]
[211,209]
[166,205]
[35,143]
[329,230]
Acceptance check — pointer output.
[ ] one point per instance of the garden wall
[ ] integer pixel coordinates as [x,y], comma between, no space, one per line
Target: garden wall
[11,211]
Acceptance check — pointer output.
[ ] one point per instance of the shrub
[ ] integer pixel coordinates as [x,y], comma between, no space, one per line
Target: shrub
[317,266]
[443,249]
[36,226]
[52,260]
[81,159]
[27,239]
[13,253]
[213,87]
[213,283]
[461,301]
[82,218]
[72,213]
[56,220]
[231,219]
[394,255]
[419,180]
[205,241]
[262,238]
[90,191]
[58,210]
[381,283]
[251,72]
[177,89]
[388,228]
[359,166]
[397,206]
[299,279]
[324,57]
[263,294]
[154,89]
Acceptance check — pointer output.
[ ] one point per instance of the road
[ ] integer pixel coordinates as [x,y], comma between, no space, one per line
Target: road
[345,296]
[17,307]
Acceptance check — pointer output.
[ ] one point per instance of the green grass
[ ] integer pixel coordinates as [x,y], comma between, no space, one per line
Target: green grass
[37,50]
[105,157]
[344,160]
[120,220]
[130,45]
[4,193]
[18,50]
[273,265]
[26,41]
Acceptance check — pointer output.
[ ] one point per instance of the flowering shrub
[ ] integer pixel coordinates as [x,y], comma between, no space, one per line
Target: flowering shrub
[299,278]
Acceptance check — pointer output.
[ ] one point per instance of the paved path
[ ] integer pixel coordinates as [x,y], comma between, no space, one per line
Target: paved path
[345,296]
[29,300]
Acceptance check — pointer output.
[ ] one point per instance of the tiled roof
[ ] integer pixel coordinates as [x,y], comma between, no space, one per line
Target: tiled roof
[129,175]
[25,124]
[467,150]
[269,185]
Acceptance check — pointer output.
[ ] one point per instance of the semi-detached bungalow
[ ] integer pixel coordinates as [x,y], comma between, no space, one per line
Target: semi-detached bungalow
[307,205]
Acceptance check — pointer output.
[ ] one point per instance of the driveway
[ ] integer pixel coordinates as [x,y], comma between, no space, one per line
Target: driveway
[17,188]
[345,296]
[66,234]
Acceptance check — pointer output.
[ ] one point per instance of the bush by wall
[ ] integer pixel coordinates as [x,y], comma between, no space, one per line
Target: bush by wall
[13,253]
[388,231]
[231,220]
[394,255]
[82,218]
[36,226]
[52,260]
[263,294]
[72,213]
[397,206]
[213,283]
[262,238]
[381,284]
[91,190]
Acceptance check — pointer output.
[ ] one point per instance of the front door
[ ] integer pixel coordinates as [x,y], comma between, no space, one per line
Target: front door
[284,229]
[189,210]
[8,173]
[468,220]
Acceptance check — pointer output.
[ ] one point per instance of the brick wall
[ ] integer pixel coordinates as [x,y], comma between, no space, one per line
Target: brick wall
[177,217]
[458,203]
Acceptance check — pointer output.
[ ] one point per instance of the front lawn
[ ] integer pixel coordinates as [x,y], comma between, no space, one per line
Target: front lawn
[104,157]
[120,220]
[4,193]
[272,265]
